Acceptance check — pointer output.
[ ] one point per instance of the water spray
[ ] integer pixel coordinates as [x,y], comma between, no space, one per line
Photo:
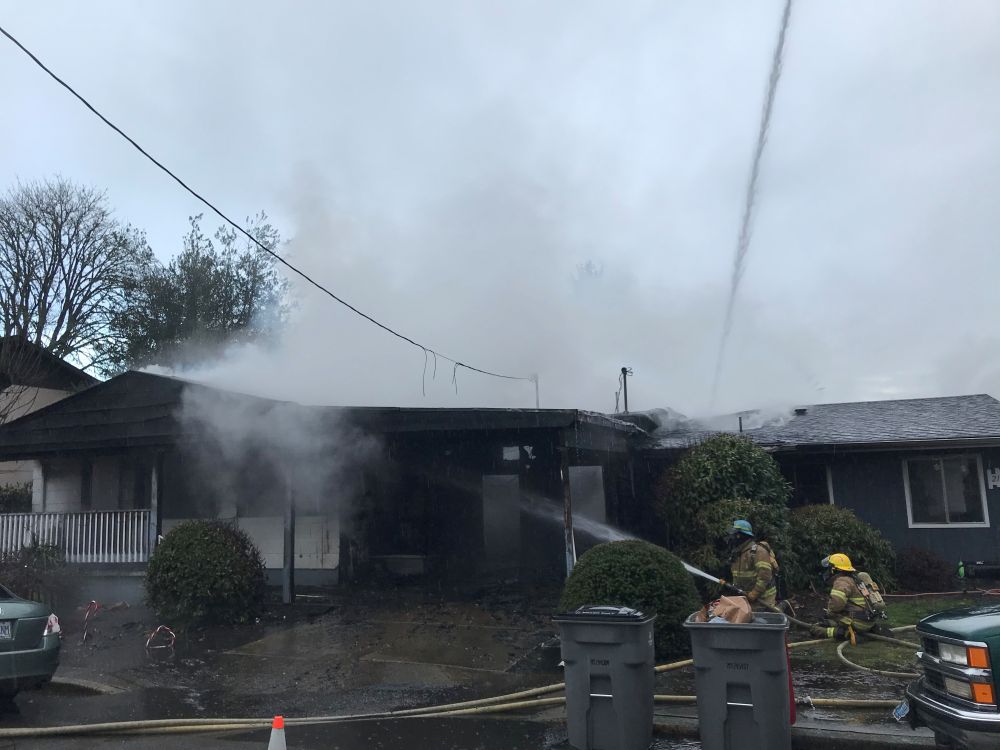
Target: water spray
[743,243]
[708,576]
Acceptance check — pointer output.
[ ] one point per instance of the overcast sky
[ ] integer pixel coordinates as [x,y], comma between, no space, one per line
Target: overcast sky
[447,166]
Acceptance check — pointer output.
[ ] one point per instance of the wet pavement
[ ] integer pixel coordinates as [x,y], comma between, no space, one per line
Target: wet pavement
[450,734]
[368,651]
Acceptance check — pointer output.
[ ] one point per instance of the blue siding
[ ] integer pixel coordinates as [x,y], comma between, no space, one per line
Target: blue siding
[871,484]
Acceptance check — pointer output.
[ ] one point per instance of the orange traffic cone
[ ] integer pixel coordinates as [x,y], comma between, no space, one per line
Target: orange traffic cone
[277,741]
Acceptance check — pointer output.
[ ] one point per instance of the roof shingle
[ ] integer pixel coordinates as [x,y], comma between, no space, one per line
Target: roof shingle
[923,420]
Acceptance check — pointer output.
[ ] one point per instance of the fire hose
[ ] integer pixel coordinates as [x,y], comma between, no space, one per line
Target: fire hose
[524,699]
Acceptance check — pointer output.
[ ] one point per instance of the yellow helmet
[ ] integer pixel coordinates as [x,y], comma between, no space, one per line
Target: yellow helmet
[840,561]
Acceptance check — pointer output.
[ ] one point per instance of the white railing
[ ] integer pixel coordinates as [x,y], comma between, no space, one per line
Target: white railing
[100,536]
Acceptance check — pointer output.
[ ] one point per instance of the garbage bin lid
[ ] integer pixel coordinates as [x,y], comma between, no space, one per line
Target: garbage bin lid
[604,612]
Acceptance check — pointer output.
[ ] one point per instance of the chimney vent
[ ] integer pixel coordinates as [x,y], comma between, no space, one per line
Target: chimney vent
[800,411]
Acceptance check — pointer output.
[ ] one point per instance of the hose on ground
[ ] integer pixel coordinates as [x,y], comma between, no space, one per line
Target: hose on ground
[184,726]
[859,703]
[882,672]
[894,641]
[499,703]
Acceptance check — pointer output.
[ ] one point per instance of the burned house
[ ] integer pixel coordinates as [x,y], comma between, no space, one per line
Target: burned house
[335,493]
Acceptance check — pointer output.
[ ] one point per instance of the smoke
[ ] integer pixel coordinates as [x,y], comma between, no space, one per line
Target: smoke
[450,168]
[249,453]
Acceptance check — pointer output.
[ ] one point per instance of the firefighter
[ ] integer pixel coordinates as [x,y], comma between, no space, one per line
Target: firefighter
[855,605]
[753,565]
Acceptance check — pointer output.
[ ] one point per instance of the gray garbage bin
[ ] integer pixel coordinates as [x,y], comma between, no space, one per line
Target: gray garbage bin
[608,655]
[741,679]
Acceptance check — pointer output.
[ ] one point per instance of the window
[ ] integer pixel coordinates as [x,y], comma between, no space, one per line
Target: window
[811,483]
[945,491]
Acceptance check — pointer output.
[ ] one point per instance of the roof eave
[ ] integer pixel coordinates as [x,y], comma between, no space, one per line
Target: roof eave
[896,445]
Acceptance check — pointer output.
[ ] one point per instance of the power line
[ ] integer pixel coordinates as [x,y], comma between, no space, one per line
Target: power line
[238,227]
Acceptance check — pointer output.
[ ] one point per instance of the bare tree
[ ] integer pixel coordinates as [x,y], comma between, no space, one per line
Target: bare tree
[65,265]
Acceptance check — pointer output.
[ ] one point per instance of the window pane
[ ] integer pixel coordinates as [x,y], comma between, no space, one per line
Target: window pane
[926,498]
[965,501]
[808,484]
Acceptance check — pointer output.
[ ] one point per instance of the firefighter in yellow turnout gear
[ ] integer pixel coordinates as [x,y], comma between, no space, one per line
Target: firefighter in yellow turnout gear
[855,605]
[754,567]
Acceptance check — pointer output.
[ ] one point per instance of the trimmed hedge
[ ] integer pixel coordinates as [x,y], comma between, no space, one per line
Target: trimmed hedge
[724,467]
[640,575]
[205,572]
[816,531]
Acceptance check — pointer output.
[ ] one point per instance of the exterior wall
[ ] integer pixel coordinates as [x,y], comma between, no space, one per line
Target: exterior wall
[871,484]
[16,401]
[116,483]
[62,486]
[317,540]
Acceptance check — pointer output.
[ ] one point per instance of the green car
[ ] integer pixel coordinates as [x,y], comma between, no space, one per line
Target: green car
[30,638]
[957,695]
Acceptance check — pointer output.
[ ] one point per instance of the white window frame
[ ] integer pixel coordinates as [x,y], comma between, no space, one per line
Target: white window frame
[961,525]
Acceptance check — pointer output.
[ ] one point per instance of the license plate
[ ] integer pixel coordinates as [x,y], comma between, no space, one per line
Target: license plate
[900,712]
[5,630]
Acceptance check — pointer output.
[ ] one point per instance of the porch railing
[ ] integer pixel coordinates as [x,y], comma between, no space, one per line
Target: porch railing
[112,536]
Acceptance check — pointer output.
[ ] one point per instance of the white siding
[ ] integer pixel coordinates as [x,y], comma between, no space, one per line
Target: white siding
[317,540]
[62,487]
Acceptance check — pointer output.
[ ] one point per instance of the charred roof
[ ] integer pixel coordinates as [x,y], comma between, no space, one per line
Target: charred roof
[142,409]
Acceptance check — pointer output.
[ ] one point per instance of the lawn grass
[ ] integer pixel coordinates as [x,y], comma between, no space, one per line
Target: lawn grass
[880,655]
[912,611]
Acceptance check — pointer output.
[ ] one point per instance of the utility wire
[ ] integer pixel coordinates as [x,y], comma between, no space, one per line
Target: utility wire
[238,227]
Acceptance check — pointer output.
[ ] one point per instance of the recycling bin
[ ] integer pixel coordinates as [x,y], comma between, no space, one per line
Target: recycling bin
[742,683]
[609,663]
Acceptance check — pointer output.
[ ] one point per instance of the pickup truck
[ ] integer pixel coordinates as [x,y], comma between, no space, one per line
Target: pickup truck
[957,695]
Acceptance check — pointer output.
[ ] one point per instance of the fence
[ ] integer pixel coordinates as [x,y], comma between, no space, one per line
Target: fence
[116,536]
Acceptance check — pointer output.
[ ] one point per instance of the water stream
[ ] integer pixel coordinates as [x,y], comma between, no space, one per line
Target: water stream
[552,511]
[746,225]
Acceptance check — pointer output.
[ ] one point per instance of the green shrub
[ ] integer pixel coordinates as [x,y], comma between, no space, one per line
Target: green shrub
[724,467]
[921,570]
[205,572]
[816,531]
[640,575]
[706,546]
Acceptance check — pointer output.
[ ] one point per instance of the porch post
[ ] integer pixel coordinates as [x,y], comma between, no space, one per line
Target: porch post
[288,570]
[154,503]
[567,509]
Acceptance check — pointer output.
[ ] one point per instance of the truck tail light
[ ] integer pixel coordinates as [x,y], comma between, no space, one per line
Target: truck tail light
[982,693]
[978,657]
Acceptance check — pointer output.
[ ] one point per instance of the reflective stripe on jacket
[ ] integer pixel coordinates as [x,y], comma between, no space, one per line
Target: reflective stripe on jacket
[847,604]
[752,571]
